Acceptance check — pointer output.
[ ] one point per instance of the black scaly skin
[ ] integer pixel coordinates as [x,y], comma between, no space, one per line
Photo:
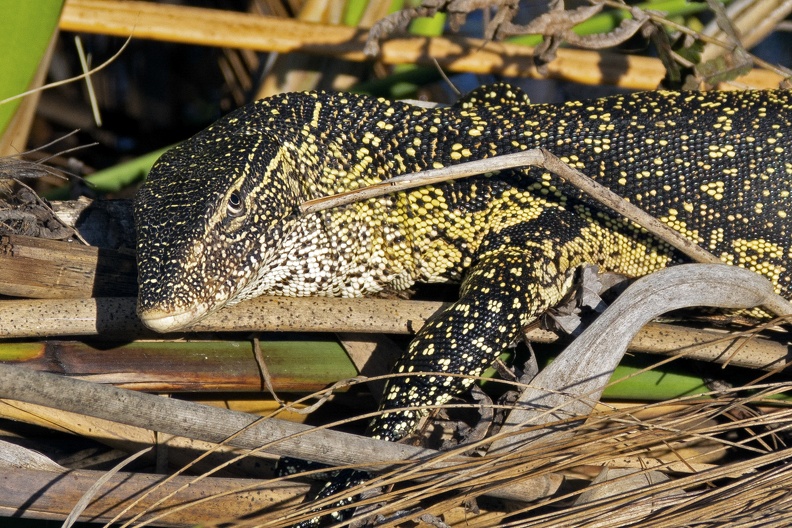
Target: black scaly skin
[216,219]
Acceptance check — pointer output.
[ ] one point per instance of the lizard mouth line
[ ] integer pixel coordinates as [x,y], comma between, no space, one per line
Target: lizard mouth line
[163,321]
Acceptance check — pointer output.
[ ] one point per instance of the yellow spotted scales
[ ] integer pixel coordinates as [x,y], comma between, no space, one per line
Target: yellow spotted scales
[217,220]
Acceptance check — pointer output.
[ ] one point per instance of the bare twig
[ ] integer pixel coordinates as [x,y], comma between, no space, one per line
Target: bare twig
[102,66]
[536,158]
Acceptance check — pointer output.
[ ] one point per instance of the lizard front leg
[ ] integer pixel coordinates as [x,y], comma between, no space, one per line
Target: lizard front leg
[502,293]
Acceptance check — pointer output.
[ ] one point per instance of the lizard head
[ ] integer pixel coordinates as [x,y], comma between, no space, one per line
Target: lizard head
[211,212]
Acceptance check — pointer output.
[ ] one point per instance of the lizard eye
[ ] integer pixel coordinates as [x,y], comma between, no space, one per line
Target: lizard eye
[235,204]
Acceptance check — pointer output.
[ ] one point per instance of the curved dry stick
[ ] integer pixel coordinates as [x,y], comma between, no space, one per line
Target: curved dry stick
[573,383]
[213,424]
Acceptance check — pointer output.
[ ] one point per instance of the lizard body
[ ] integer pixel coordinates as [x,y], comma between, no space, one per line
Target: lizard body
[217,224]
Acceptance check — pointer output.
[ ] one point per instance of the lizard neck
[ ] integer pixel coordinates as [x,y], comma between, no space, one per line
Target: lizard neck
[428,234]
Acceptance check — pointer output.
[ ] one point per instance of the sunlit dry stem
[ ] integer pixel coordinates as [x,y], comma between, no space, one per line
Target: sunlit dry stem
[528,158]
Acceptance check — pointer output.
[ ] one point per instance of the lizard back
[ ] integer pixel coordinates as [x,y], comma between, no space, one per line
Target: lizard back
[713,165]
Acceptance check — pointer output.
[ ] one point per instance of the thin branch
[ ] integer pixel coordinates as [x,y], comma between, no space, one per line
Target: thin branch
[528,158]
[71,79]
[193,420]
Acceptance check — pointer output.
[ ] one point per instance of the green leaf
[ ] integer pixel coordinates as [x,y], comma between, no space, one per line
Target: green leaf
[26,29]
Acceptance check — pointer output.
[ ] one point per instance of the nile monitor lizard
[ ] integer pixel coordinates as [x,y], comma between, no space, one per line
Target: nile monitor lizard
[217,220]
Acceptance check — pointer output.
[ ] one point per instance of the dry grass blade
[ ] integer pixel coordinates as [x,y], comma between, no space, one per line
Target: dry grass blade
[661,430]
[608,438]
[102,66]
[91,492]
[635,437]
[88,84]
